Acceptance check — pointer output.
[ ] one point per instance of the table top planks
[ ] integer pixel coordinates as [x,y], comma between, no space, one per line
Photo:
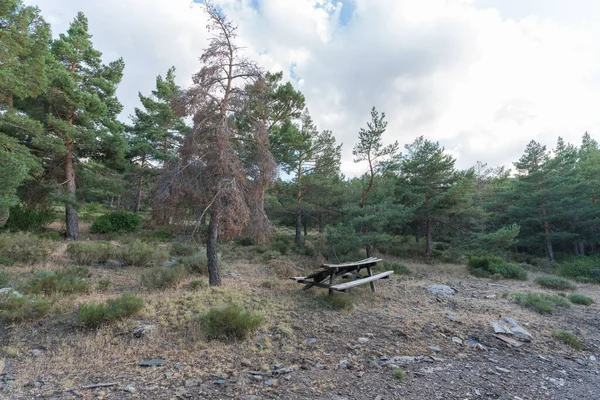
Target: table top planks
[370,260]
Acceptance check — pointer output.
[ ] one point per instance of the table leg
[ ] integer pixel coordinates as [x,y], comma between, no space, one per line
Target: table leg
[372,283]
[331,280]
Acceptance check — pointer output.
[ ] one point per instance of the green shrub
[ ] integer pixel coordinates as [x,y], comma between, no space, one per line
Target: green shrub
[197,284]
[51,235]
[576,298]
[117,221]
[3,279]
[103,285]
[492,266]
[582,269]
[568,338]
[271,255]
[160,278]
[402,246]
[18,308]
[399,373]
[341,241]
[94,314]
[25,248]
[197,263]
[156,235]
[541,302]
[281,244]
[140,254]
[6,261]
[66,281]
[554,282]
[230,322]
[246,241]
[398,268]
[338,301]
[181,249]
[91,211]
[92,252]
[27,219]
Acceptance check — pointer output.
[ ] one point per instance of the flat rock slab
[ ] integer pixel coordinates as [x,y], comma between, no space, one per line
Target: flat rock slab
[156,362]
[442,290]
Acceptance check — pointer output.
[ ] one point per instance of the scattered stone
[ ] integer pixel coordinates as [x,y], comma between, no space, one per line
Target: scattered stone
[345,364]
[177,366]
[220,382]
[143,330]
[416,310]
[493,360]
[10,291]
[129,388]
[156,362]
[379,397]
[434,349]
[321,366]
[581,361]
[233,275]
[36,353]
[255,378]
[592,358]
[370,335]
[500,369]
[453,319]
[442,290]
[427,370]
[457,340]
[474,343]
[168,374]
[311,341]
[271,382]
[399,316]
[362,340]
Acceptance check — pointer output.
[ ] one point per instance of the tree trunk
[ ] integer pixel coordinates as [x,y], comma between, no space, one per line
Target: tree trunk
[576,247]
[138,196]
[72,221]
[369,250]
[118,202]
[305,225]
[548,240]
[428,237]
[321,223]
[214,274]
[581,247]
[298,227]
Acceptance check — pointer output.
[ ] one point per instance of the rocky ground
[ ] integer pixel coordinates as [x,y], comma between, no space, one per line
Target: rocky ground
[443,343]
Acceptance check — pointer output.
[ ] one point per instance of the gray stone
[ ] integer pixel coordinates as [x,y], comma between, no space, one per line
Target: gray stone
[434,349]
[129,388]
[168,374]
[592,358]
[271,382]
[36,353]
[220,382]
[311,341]
[321,366]
[457,340]
[416,310]
[500,369]
[10,291]
[156,362]
[442,290]
[362,340]
[255,378]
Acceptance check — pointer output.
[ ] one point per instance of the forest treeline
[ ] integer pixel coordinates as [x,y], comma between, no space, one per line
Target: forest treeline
[210,159]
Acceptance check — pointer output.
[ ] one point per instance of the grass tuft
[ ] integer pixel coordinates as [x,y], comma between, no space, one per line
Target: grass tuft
[576,298]
[15,307]
[182,249]
[554,282]
[25,248]
[3,279]
[568,338]
[161,278]
[230,322]
[197,284]
[541,302]
[140,254]
[94,314]
[66,281]
[399,374]
[398,268]
[492,266]
[338,302]
[92,252]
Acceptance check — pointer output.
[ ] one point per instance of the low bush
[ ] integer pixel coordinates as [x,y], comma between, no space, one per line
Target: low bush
[50,235]
[197,263]
[25,248]
[230,322]
[3,279]
[140,254]
[94,314]
[103,285]
[491,266]
[582,269]
[92,252]
[117,221]
[398,268]
[160,278]
[246,241]
[402,246]
[576,298]
[156,235]
[338,301]
[399,374]
[197,284]
[6,261]
[182,249]
[282,244]
[27,219]
[65,281]
[541,302]
[91,211]
[554,282]
[15,307]
[568,338]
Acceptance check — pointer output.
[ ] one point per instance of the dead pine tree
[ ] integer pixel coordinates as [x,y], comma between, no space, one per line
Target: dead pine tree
[216,96]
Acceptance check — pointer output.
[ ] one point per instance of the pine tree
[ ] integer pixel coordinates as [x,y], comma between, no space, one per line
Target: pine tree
[157,132]
[81,104]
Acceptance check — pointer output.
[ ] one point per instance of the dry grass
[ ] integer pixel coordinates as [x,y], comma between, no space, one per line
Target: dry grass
[290,317]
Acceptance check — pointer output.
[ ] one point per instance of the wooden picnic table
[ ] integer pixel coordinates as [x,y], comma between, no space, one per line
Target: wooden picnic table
[326,276]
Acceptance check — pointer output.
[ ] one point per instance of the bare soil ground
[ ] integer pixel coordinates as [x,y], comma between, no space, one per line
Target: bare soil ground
[303,350]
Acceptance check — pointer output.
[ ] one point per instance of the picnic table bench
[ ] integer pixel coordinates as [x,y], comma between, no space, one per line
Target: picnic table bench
[326,276]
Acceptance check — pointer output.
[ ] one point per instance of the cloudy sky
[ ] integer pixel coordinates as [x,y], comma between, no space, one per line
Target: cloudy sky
[482,77]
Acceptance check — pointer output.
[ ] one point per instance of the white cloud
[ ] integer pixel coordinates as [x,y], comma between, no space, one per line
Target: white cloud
[480,80]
